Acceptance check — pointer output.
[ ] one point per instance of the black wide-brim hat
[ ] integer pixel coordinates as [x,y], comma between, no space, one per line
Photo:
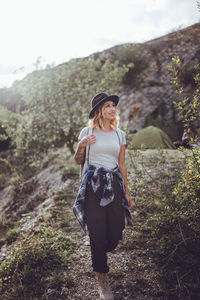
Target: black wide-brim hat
[100,99]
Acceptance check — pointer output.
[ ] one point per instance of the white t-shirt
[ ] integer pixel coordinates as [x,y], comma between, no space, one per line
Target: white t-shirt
[105,151]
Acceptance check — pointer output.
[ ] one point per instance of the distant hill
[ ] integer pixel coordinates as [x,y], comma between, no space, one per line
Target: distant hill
[147,95]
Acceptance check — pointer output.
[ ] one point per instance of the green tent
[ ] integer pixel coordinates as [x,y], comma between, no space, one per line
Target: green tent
[152,138]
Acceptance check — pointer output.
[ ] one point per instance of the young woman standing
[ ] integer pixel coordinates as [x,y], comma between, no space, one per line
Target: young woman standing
[103,201]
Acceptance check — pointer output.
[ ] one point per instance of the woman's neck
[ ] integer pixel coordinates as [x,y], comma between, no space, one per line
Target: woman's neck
[106,126]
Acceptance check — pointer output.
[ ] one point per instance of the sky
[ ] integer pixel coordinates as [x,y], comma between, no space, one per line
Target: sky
[59,30]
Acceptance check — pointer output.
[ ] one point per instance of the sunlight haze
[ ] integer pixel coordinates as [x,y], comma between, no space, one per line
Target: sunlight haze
[62,29]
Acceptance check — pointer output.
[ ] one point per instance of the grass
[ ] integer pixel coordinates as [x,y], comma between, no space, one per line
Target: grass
[50,248]
[33,266]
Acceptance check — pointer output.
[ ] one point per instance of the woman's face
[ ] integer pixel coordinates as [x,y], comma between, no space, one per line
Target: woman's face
[109,110]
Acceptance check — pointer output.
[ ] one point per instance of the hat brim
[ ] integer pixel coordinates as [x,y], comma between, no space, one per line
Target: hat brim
[113,98]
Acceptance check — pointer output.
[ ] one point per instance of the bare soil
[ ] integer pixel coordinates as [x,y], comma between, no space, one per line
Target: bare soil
[132,274]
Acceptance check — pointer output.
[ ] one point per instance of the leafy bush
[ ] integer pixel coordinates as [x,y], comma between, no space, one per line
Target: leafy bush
[176,234]
[70,173]
[59,100]
[11,100]
[8,125]
[12,234]
[175,226]
[172,206]
[4,139]
[188,107]
[152,176]
[130,56]
[32,267]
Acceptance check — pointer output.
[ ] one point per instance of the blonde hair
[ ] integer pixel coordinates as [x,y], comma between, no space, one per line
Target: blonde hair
[97,121]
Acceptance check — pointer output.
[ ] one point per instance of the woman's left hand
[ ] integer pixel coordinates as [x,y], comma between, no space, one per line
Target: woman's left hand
[130,202]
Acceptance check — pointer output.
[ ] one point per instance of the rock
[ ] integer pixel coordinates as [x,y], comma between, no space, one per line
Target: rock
[149,100]
[36,190]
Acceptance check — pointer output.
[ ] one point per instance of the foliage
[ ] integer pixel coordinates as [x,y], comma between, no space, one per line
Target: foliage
[152,175]
[129,55]
[5,165]
[8,175]
[188,107]
[12,234]
[9,122]
[157,118]
[59,100]
[176,234]
[169,200]
[3,134]
[56,102]
[70,173]
[32,267]
[11,100]
[175,226]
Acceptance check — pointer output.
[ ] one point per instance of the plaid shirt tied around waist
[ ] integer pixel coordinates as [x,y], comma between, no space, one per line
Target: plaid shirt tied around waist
[94,176]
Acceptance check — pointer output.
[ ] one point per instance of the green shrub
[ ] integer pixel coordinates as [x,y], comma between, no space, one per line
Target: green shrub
[58,99]
[63,216]
[176,234]
[70,173]
[130,56]
[152,176]
[32,267]
[12,234]
[175,226]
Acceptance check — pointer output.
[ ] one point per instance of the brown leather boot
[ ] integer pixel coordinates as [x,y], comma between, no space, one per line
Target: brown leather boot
[104,287]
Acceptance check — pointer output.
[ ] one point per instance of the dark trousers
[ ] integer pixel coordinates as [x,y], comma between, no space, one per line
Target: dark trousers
[105,225]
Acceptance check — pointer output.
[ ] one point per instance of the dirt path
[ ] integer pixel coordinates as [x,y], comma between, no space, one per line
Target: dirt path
[132,274]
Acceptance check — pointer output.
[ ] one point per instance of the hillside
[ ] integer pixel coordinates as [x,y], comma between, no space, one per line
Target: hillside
[150,99]
[43,252]
[146,94]
[40,215]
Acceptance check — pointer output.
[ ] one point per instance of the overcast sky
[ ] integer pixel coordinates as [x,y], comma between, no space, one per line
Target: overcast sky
[58,30]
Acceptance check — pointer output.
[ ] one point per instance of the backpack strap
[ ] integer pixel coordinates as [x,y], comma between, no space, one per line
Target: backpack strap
[88,147]
[86,156]
[118,132]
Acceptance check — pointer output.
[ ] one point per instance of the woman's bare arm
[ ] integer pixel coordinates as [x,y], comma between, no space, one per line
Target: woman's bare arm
[123,170]
[80,152]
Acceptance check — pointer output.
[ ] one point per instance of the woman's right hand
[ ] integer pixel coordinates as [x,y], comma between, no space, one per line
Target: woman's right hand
[84,142]
[87,140]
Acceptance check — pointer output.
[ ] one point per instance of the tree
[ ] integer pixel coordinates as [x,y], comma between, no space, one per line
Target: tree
[59,100]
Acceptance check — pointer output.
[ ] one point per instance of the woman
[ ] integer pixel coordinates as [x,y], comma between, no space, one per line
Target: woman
[103,201]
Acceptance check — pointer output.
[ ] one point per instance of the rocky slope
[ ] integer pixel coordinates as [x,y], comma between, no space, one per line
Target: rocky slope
[147,97]
[150,100]
[45,201]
